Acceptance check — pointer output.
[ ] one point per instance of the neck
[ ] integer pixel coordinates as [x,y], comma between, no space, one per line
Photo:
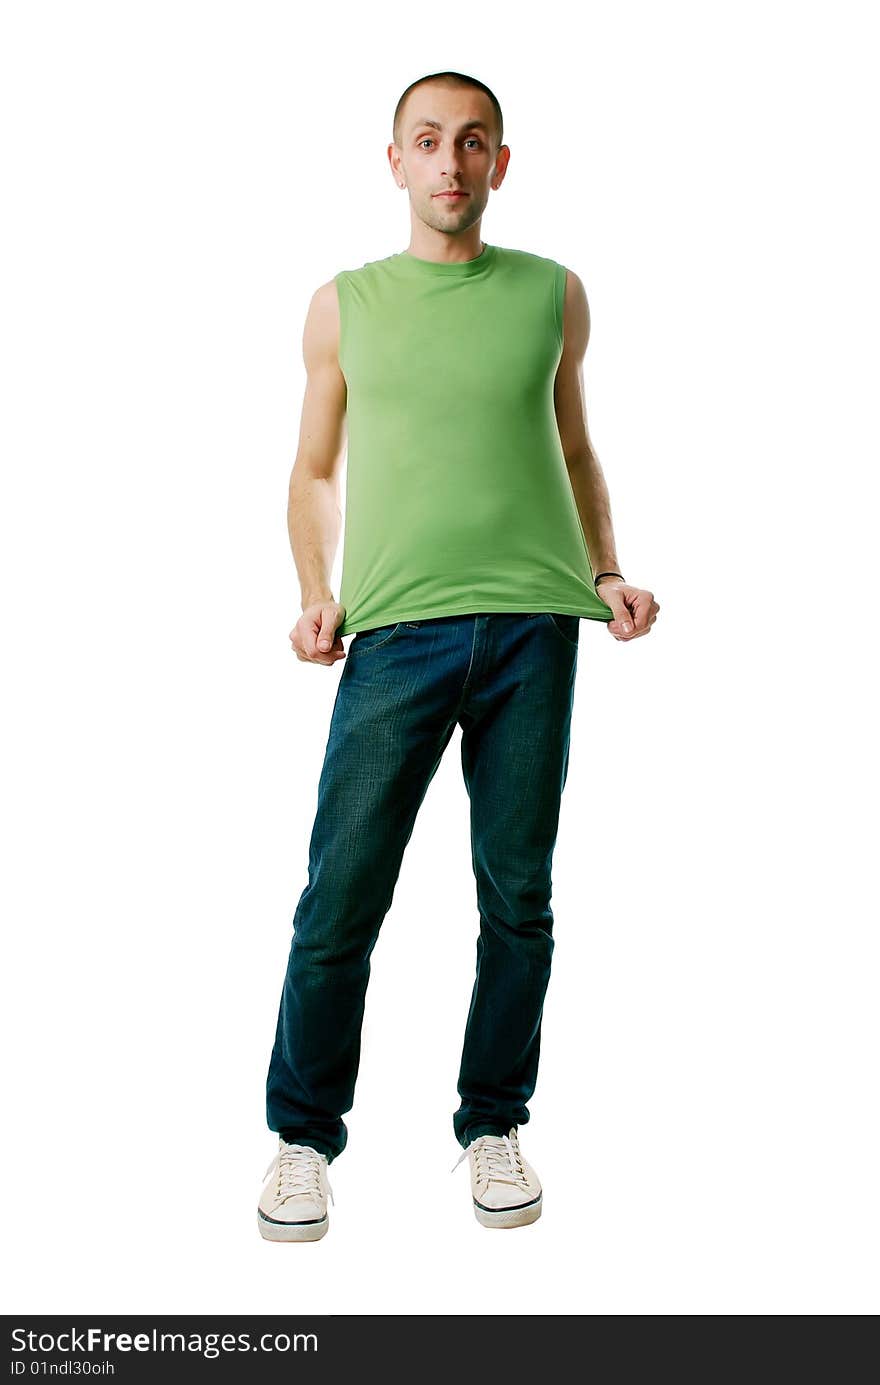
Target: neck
[442,249]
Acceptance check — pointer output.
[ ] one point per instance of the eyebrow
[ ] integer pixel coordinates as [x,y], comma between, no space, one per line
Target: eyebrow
[435,125]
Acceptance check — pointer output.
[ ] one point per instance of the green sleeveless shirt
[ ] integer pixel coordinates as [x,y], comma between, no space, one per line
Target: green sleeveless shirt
[458,498]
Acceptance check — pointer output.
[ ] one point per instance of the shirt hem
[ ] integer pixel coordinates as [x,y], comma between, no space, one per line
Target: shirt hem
[467,610]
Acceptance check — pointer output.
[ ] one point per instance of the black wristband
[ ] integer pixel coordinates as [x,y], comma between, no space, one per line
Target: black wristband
[608,574]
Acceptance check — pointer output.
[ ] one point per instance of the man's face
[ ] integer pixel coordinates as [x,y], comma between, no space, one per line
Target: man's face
[448,142]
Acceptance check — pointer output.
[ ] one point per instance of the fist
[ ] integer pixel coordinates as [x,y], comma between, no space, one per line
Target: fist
[313,638]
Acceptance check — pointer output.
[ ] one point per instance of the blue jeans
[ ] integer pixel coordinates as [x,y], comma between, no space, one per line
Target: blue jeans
[508,680]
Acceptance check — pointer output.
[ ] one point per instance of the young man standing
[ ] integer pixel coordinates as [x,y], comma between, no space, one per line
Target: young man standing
[476,517]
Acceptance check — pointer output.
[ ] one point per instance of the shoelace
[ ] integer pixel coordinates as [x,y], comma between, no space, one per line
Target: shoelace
[497,1159]
[299,1172]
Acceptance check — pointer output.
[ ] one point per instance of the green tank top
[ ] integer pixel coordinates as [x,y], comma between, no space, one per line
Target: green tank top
[458,498]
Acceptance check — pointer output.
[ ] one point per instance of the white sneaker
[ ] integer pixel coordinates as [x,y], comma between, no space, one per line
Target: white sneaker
[293,1204]
[505,1188]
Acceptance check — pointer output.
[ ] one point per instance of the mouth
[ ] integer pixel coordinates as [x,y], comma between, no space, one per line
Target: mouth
[450,196]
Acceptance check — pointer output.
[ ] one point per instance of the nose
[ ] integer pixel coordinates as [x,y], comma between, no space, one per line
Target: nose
[451,163]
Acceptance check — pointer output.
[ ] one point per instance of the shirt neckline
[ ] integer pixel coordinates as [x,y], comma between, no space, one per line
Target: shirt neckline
[460,268]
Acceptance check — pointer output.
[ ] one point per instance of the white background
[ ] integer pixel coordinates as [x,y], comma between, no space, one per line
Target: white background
[179,179]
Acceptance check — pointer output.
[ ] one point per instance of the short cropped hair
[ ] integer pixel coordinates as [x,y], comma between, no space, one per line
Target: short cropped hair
[452,79]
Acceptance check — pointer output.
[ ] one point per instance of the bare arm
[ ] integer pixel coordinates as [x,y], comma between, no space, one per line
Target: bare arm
[314,513]
[634,608]
[585,473]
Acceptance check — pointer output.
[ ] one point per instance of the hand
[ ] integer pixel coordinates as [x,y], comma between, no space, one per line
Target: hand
[635,609]
[313,637]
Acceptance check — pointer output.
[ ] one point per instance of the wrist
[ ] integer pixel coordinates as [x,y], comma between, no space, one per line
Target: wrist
[315,598]
[607,576]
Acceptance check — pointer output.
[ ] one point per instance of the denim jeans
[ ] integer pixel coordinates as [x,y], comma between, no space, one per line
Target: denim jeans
[508,680]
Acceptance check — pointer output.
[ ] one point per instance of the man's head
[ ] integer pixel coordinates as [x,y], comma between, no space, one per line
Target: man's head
[448,132]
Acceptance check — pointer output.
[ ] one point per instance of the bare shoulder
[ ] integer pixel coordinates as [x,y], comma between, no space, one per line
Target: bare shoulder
[576,325]
[321,333]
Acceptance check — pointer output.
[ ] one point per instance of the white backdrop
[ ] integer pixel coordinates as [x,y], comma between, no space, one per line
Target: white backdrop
[180,178]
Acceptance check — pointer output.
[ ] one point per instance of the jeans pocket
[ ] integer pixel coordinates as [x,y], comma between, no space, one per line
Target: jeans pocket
[569,627]
[367,640]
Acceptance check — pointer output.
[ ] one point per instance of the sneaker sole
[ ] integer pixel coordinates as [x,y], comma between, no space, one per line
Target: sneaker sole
[507,1217]
[291,1230]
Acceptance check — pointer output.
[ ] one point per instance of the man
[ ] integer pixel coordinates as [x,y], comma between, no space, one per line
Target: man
[476,517]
